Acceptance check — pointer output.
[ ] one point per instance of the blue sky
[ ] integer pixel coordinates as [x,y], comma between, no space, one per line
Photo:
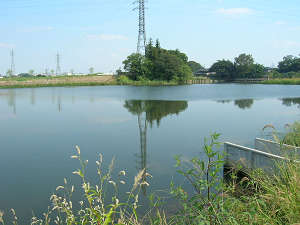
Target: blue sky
[101,33]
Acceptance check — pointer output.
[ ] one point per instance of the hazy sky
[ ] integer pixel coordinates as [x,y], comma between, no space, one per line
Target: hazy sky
[101,33]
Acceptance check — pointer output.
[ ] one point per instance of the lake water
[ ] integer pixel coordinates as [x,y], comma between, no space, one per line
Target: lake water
[143,127]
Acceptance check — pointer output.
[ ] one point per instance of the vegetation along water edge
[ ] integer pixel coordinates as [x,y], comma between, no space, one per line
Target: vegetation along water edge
[255,198]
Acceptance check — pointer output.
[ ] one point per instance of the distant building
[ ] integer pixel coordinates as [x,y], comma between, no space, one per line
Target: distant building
[269,69]
[204,72]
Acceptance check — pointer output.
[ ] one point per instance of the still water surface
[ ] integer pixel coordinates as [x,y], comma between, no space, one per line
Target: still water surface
[143,127]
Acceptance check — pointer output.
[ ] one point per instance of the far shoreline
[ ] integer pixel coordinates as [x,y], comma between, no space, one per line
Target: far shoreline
[109,80]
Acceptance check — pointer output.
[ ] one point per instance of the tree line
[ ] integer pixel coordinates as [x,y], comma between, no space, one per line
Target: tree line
[157,64]
[172,65]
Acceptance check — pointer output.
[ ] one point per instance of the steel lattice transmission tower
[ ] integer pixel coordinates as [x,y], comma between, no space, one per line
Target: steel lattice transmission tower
[141,46]
[12,66]
[58,70]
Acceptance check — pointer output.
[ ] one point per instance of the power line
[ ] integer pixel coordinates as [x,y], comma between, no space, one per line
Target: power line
[58,70]
[12,66]
[141,45]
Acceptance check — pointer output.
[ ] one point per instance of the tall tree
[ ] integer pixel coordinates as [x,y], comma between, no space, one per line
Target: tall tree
[224,69]
[243,64]
[91,70]
[195,66]
[286,64]
[136,65]
[31,72]
[9,73]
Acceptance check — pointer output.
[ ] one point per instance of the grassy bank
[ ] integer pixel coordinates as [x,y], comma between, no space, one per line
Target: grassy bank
[292,81]
[87,80]
[57,81]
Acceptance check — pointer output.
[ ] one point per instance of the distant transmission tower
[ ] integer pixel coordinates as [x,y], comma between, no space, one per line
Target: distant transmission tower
[141,46]
[12,66]
[58,70]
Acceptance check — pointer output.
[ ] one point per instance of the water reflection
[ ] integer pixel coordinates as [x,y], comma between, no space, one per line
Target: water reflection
[11,96]
[241,103]
[11,100]
[149,112]
[291,101]
[244,103]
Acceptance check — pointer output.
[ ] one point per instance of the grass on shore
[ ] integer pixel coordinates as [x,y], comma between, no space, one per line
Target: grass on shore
[257,198]
[286,81]
[85,80]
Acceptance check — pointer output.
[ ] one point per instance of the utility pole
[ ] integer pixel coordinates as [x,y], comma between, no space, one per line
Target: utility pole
[141,45]
[58,70]
[12,66]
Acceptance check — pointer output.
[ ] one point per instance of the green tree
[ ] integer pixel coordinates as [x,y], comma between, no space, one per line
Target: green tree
[256,71]
[158,64]
[9,73]
[243,65]
[91,70]
[136,65]
[31,72]
[286,65]
[224,69]
[52,71]
[195,66]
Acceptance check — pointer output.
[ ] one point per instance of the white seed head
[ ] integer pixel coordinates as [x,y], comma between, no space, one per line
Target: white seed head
[59,187]
[148,175]
[76,172]
[112,182]
[145,183]
[78,149]
[123,173]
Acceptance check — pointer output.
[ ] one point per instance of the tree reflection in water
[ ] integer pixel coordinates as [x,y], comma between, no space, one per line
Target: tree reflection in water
[291,101]
[150,112]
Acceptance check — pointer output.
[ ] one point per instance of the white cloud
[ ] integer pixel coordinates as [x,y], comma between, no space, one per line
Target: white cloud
[6,45]
[36,29]
[295,28]
[107,37]
[235,11]
[286,44]
[280,22]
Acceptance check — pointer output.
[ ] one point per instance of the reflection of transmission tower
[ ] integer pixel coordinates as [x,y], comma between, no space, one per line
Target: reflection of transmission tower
[141,46]
[58,70]
[143,141]
[12,66]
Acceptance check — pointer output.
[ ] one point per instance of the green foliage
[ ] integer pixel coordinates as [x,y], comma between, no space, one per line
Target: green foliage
[289,64]
[9,73]
[204,176]
[224,69]
[293,135]
[195,66]
[283,81]
[242,68]
[136,65]
[31,72]
[246,68]
[155,109]
[256,198]
[91,70]
[158,64]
